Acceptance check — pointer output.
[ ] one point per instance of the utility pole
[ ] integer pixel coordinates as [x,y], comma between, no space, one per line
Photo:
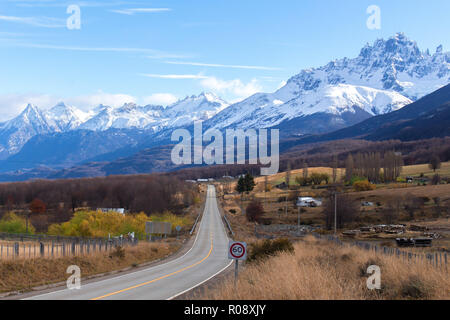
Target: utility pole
[298,219]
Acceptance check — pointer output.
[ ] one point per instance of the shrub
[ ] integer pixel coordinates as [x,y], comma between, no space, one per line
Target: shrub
[254,211]
[414,288]
[101,224]
[118,252]
[263,250]
[12,223]
[363,185]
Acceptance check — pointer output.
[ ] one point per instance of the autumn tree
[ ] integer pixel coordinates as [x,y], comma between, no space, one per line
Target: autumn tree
[334,166]
[37,206]
[435,163]
[349,167]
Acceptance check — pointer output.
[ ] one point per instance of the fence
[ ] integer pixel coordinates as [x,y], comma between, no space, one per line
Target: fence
[436,259]
[15,246]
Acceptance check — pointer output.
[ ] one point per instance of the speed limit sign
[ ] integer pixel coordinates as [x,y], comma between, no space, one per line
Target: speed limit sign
[237,250]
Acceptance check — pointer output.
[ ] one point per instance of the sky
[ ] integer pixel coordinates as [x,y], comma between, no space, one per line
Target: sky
[155,52]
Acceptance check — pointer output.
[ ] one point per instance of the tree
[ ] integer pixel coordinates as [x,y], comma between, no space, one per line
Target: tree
[435,163]
[335,166]
[305,171]
[254,211]
[288,175]
[245,183]
[349,167]
[249,182]
[37,206]
[347,210]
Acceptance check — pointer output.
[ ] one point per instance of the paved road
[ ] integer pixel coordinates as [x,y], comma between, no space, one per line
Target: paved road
[206,258]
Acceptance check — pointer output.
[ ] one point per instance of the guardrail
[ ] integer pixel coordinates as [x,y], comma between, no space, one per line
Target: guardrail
[228,225]
[195,224]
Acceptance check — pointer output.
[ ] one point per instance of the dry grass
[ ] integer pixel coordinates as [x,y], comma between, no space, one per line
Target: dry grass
[23,274]
[417,169]
[320,270]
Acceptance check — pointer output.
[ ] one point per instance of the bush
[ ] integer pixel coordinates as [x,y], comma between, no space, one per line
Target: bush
[101,224]
[12,223]
[254,211]
[364,185]
[263,250]
[118,252]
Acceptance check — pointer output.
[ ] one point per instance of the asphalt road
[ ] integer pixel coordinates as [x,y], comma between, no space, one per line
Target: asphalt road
[207,258]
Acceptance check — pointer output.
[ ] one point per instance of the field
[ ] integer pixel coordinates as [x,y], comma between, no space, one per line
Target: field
[416,170]
[324,271]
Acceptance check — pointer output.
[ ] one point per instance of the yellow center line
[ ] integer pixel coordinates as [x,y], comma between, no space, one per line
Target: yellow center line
[160,278]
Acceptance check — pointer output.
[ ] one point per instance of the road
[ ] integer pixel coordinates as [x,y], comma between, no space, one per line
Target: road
[207,258]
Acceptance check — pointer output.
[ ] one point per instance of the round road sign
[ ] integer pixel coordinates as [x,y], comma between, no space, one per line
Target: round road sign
[237,250]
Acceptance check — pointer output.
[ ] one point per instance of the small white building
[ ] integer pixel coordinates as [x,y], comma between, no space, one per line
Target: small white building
[106,210]
[308,202]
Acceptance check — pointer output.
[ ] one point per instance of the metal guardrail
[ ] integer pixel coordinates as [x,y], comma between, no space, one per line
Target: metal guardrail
[228,225]
[195,224]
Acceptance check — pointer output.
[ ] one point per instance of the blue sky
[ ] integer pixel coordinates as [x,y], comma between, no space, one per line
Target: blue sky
[159,51]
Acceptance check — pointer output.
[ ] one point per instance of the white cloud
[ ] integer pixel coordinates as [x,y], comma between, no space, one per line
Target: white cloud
[235,87]
[45,22]
[12,104]
[140,10]
[163,99]
[216,65]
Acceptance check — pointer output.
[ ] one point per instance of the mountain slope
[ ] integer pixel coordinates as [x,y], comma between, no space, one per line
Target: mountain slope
[384,77]
[425,116]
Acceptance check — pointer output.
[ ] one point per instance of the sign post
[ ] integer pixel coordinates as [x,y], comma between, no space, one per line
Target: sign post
[237,251]
[178,228]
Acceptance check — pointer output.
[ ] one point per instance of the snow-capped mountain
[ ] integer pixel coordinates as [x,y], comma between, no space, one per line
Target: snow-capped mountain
[384,77]
[155,118]
[62,118]
[16,132]
[65,118]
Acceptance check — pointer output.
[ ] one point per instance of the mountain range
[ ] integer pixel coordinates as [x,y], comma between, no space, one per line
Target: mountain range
[380,81]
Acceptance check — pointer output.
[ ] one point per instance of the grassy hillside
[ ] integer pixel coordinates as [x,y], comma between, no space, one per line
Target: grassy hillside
[320,270]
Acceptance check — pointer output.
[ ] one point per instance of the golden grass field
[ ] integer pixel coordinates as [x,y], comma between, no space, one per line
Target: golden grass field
[417,169]
[23,274]
[320,270]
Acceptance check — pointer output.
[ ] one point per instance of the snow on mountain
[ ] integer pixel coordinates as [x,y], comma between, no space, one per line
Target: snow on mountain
[183,112]
[62,118]
[65,117]
[384,77]
[16,132]
[126,117]
[201,107]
